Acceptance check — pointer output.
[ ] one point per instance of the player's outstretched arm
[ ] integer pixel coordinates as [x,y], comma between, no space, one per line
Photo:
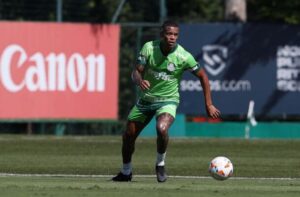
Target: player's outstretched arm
[211,110]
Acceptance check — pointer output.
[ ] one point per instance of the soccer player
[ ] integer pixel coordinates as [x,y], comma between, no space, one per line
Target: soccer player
[157,73]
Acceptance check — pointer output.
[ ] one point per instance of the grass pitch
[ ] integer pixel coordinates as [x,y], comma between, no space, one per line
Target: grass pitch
[143,187]
[59,160]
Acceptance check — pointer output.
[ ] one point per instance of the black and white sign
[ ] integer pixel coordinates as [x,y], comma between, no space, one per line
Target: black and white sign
[259,62]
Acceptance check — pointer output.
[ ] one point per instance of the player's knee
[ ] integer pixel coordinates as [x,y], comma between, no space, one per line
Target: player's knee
[162,129]
[129,134]
[131,131]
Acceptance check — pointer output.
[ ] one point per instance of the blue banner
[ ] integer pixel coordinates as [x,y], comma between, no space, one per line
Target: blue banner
[259,62]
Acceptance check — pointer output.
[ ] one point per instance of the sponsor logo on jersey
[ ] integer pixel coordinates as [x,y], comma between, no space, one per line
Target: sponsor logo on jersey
[160,75]
[171,67]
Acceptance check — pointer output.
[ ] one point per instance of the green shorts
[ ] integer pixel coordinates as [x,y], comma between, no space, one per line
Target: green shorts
[143,110]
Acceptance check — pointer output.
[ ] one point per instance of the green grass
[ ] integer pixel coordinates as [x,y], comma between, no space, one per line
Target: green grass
[142,187]
[186,157]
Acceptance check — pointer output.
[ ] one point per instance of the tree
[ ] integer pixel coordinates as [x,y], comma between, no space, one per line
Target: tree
[235,10]
[274,11]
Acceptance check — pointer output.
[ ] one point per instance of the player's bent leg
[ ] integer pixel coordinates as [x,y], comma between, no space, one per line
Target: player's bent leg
[137,121]
[132,131]
[164,121]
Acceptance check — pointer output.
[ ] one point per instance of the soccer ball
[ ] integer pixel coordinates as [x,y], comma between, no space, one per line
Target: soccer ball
[220,168]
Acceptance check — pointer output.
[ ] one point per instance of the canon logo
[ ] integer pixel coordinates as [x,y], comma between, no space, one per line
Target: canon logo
[54,72]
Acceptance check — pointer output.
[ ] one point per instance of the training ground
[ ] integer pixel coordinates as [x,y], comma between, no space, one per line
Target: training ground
[83,166]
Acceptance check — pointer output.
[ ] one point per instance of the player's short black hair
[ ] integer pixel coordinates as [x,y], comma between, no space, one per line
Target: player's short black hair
[168,23]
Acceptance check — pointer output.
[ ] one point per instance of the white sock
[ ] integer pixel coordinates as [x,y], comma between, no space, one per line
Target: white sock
[160,159]
[126,168]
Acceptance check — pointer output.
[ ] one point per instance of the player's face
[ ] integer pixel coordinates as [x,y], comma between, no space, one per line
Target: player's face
[170,36]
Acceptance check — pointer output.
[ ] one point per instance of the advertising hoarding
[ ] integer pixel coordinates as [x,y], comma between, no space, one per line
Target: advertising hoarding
[259,62]
[58,71]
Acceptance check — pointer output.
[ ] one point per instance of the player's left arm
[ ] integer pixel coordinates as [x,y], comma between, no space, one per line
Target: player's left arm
[199,72]
[211,110]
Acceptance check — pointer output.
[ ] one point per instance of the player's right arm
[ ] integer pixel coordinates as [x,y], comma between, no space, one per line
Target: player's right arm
[137,78]
[139,68]
[138,71]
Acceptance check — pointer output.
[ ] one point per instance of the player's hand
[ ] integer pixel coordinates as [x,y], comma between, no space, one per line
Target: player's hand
[144,85]
[212,111]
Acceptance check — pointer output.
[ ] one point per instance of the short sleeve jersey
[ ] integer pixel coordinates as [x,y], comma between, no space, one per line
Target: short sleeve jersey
[164,72]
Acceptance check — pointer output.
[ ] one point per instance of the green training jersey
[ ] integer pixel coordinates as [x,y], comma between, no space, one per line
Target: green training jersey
[164,72]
